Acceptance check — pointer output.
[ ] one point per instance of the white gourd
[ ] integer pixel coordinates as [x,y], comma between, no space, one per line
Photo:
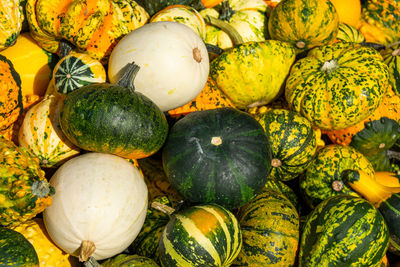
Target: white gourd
[99,206]
[173,61]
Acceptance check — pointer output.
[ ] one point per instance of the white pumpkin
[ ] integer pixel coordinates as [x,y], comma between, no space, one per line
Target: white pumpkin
[100,199]
[173,61]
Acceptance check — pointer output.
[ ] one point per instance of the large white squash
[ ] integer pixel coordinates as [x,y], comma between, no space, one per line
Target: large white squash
[173,61]
[99,206]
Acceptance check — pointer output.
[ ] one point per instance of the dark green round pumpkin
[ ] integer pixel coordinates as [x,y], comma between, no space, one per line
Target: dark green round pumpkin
[129,261]
[293,142]
[111,118]
[270,231]
[217,156]
[15,250]
[343,231]
[202,235]
[322,179]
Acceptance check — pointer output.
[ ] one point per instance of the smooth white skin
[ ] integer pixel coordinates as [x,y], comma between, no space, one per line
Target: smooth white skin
[169,74]
[100,198]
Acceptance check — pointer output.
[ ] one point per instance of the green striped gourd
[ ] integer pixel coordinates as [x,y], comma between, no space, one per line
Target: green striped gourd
[252,73]
[336,86]
[41,135]
[129,261]
[76,70]
[386,199]
[24,190]
[270,231]
[349,33]
[217,156]
[304,23]
[391,56]
[293,142]
[203,235]
[284,189]
[322,178]
[11,18]
[183,14]
[343,231]
[16,250]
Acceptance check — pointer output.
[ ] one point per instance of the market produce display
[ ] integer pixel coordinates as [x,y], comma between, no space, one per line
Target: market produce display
[200,133]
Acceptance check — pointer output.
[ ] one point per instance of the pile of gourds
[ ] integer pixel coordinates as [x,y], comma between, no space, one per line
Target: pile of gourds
[199,133]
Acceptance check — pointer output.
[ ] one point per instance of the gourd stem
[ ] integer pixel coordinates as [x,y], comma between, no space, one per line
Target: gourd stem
[330,66]
[337,185]
[300,44]
[216,140]
[163,208]
[276,163]
[42,188]
[396,52]
[128,77]
[87,249]
[91,262]
[257,104]
[393,44]
[226,27]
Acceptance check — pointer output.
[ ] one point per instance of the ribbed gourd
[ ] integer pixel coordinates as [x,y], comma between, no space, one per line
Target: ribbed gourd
[293,142]
[11,18]
[129,261]
[349,33]
[10,97]
[391,56]
[24,190]
[41,134]
[336,86]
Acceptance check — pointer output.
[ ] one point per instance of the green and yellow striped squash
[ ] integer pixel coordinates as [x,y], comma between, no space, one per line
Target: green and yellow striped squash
[293,142]
[24,190]
[202,235]
[284,189]
[380,21]
[10,97]
[247,17]
[15,249]
[11,18]
[41,135]
[343,231]
[129,261]
[183,14]
[349,33]
[34,65]
[93,27]
[153,6]
[336,86]
[270,231]
[391,56]
[386,199]
[76,70]
[322,179]
[252,73]
[304,23]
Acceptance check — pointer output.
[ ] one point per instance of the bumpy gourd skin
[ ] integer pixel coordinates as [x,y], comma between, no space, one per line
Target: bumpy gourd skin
[337,86]
[24,190]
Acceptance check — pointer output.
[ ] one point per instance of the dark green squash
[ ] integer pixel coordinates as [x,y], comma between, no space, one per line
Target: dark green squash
[203,235]
[217,156]
[112,118]
[15,250]
[293,142]
[343,231]
[129,261]
[270,231]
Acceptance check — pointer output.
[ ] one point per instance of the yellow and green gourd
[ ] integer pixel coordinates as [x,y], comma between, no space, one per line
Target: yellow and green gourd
[336,86]
[11,18]
[349,33]
[391,56]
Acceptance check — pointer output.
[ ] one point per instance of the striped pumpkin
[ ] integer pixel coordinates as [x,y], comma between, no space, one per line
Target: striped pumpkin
[284,189]
[349,33]
[129,261]
[391,56]
[322,178]
[343,231]
[203,235]
[336,86]
[76,70]
[304,23]
[293,142]
[11,17]
[270,230]
[41,135]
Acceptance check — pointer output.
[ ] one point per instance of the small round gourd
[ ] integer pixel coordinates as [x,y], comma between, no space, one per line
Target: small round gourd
[173,60]
[99,206]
